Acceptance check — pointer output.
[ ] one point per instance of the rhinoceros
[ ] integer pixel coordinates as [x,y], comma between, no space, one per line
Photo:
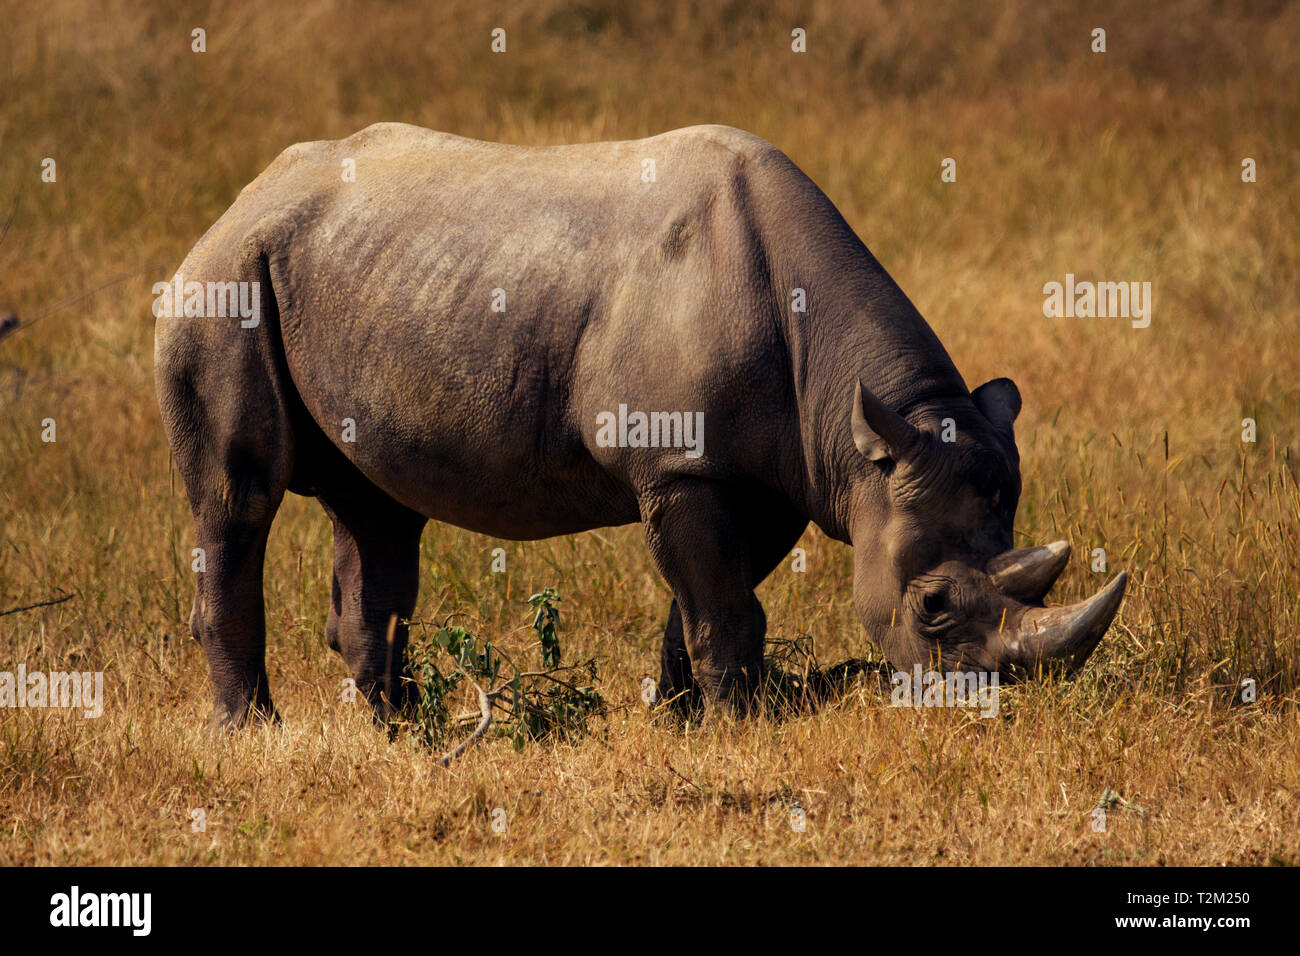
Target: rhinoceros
[434,327]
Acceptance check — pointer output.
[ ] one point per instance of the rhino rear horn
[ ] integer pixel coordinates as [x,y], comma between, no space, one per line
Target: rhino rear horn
[878,431]
[1027,574]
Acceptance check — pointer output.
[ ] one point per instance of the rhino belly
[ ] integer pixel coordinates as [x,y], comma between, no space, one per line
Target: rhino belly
[471,432]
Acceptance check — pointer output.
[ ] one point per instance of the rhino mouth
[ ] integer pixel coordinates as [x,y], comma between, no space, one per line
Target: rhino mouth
[1060,638]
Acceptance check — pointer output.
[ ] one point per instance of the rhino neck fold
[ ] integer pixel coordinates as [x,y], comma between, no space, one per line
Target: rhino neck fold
[859,323]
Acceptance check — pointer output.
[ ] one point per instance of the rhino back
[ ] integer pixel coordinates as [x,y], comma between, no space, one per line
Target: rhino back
[653,295]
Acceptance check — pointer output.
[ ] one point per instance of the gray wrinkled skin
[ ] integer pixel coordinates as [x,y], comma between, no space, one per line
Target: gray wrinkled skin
[673,295]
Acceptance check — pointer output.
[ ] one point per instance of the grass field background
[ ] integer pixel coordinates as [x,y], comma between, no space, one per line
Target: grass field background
[1117,166]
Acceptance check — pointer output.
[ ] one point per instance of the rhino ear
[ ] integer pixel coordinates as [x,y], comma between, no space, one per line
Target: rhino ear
[878,431]
[998,401]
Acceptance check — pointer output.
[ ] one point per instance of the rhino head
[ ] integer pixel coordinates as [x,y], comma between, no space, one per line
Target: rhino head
[936,580]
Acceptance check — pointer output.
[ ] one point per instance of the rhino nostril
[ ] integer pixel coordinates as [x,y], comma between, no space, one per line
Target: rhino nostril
[934,602]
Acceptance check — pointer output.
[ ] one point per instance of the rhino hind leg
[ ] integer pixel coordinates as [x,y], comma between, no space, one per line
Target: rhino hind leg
[234,497]
[228,424]
[376,576]
[714,544]
[229,618]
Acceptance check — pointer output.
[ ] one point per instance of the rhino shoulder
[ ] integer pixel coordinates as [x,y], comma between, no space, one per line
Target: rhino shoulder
[290,159]
[738,148]
[753,164]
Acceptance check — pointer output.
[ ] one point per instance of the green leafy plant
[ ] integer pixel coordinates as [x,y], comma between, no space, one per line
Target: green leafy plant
[553,702]
[546,622]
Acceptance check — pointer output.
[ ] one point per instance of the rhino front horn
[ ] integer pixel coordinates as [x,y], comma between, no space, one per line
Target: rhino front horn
[1027,574]
[1067,635]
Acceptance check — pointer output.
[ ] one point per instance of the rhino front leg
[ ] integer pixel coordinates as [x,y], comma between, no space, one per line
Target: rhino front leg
[712,546]
[770,542]
[376,575]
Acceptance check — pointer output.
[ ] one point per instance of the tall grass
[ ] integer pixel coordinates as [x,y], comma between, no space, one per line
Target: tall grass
[1117,166]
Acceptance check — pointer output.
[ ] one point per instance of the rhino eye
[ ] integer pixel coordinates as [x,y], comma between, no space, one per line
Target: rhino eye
[934,602]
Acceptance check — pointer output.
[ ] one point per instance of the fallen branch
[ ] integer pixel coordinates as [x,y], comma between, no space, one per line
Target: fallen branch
[29,607]
[18,326]
[485,708]
[797,683]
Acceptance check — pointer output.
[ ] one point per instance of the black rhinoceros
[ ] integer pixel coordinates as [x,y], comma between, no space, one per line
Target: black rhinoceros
[680,331]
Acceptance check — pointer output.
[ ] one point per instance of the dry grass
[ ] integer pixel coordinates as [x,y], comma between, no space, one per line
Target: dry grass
[1122,166]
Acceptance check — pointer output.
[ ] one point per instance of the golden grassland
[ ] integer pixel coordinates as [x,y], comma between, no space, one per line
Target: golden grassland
[1116,166]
